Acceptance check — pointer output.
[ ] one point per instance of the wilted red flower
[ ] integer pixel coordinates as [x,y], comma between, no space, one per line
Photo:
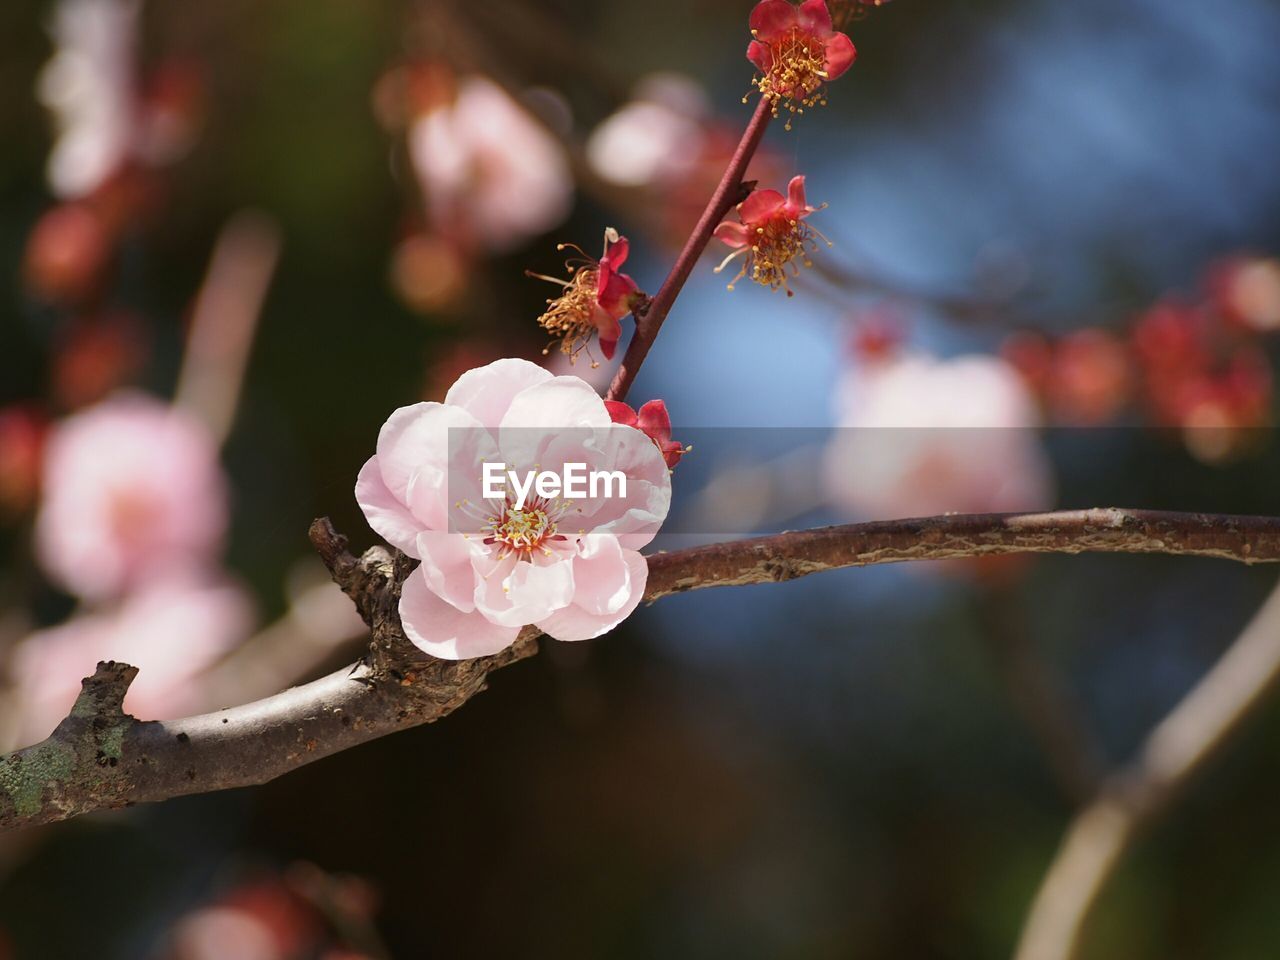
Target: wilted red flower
[596,297]
[654,422]
[797,51]
[771,236]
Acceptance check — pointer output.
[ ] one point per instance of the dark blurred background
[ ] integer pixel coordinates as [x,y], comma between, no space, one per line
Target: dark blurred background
[831,767]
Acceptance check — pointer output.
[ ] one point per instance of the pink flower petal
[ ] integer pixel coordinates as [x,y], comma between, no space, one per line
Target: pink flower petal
[840,54]
[601,576]
[389,518]
[546,417]
[654,420]
[414,452]
[621,412]
[635,518]
[442,630]
[734,234]
[760,206]
[447,567]
[796,205]
[610,331]
[616,252]
[814,18]
[772,18]
[520,592]
[761,55]
[574,622]
[487,391]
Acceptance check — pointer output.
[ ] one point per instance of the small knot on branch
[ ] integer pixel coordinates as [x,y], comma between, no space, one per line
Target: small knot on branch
[332,548]
[102,695]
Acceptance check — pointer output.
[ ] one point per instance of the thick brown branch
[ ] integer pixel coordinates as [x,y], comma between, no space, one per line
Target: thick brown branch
[786,556]
[100,757]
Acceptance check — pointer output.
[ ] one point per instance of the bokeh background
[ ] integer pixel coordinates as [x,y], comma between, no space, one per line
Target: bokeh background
[291,218]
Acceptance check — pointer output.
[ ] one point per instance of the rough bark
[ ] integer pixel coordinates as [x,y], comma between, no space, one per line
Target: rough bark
[99,757]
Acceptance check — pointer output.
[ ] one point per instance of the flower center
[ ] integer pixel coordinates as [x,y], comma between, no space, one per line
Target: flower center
[779,243]
[522,531]
[569,316]
[797,74]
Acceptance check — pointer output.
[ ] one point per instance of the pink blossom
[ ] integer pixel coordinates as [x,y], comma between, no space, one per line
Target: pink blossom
[88,85]
[654,139]
[654,422]
[171,632]
[918,436]
[489,171]
[132,492]
[488,568]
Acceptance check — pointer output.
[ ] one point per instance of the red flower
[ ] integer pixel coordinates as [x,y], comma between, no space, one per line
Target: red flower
[771,236]
[596,297]
[654,422]
[797,51]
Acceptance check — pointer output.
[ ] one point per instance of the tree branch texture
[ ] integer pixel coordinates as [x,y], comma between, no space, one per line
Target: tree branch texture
[99,757]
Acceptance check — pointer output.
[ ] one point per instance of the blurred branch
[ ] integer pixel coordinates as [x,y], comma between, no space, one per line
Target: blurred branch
[318,625]
[1050,714]
[1197,729]
[224,319]
[100,757]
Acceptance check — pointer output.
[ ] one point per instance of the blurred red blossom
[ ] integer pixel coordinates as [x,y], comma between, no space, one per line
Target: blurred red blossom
[797,51]
[67,253]
[878,334]
[22,433]
[1204,376]
[302,913]
[771,236]
[1084,378]
[96,354]
[653,420]
[1246,289]
[132,492]
[429,272]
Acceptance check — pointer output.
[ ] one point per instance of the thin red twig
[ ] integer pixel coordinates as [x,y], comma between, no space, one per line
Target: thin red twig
[727,193]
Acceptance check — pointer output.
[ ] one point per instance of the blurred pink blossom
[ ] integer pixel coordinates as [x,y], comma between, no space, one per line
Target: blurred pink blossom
[490,172]
[88,85]
[655,138]
[132,492]
[171,632]
[489,568]
[920,436]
